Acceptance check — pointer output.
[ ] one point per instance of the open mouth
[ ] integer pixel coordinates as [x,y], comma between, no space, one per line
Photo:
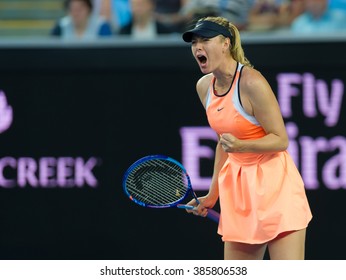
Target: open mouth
[202,59]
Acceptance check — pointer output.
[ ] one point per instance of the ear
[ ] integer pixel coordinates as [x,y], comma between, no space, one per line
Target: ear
[226,44]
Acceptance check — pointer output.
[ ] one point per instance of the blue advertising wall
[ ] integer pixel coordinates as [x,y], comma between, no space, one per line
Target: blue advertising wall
[74,117]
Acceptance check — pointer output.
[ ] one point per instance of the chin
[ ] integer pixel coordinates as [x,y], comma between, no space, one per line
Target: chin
[205,70]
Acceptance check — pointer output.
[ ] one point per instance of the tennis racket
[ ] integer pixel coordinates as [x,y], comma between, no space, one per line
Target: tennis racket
[158,181]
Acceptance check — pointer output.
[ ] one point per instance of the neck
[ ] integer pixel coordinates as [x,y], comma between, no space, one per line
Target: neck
[224,75]
[142,22]
[81,26]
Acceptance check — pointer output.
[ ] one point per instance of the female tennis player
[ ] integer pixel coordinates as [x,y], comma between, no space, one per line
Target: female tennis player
[262,196]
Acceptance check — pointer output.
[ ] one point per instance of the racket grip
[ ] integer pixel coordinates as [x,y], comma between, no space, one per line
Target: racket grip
[184,206]
[212,214]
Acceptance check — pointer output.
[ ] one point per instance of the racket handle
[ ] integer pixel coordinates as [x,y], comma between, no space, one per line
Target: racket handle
[212,214]
[184,206]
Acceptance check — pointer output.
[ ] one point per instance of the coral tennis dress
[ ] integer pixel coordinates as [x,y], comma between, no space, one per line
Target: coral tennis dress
[261,195]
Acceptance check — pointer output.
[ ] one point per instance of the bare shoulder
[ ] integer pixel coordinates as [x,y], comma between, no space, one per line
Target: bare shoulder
[203,83]
[202,87]
[254,85]
[252,78]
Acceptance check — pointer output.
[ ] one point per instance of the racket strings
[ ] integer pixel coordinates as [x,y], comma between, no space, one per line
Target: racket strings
[157,182]
[156,185]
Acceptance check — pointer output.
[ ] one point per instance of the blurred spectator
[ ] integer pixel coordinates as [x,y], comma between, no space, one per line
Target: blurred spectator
[337,4]
[80,23]
[274,14]
[169,12]
[143,24]
[290,11]
[117,12]
[264,14]
[319,17]
[236,11]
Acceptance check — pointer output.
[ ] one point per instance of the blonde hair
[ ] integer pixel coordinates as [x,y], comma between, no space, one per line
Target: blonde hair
[235,48]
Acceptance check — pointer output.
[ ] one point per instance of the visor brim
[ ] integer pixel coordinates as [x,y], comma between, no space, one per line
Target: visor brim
[188,35]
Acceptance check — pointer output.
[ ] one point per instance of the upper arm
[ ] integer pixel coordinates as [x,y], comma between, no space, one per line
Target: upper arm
[262,103]
[202,88]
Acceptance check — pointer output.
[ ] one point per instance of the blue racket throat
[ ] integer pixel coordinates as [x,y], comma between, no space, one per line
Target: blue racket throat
[158,181]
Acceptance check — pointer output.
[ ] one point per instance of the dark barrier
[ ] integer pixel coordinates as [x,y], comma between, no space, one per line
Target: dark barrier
[73,118]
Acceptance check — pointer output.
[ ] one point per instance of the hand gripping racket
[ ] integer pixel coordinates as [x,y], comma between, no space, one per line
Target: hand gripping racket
[159,181]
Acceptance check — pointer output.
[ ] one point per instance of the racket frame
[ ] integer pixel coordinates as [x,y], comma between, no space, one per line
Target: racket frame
[159,157]
[212,214]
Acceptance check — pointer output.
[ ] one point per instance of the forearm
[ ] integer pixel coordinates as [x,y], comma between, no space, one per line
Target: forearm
[267,144]
[220,158]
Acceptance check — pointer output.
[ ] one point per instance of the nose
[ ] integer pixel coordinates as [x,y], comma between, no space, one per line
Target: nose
[198,45]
